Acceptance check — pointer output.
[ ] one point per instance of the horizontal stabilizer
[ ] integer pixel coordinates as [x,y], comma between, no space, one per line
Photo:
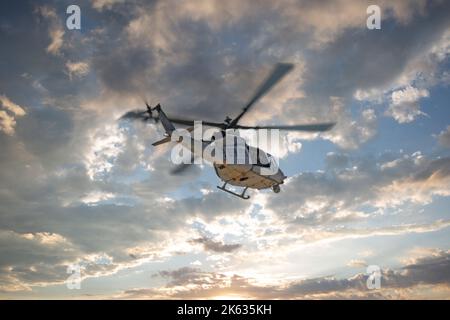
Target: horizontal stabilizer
[168,139]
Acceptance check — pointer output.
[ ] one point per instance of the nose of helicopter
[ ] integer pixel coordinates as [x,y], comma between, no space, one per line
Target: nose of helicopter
[279,176]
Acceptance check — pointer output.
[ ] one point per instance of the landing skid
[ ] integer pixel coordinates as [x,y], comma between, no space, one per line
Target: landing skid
[240,195]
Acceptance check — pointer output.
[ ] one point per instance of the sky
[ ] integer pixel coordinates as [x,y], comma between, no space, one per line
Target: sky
[80,189]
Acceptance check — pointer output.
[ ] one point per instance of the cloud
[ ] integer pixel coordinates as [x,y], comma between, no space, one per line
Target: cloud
[192,282]
[431,270]
[105,4]
[419,187]
[404,107]
[421,71]
[11,106]
[59,203]
[56,30]
[444,137]
[224,77]
[339,194]
[417,253]
[348,133]
[56,36]
[8,113]
[15,262]
[187,275]
[357,263]
[7,123]
[216,246]
[77,69]
[147,225]
[340,233]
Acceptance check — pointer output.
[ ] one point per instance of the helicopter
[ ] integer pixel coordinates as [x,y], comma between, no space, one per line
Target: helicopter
[259,170]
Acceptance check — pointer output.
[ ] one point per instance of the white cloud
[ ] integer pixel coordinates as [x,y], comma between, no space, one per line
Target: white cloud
[357,263]
[46,238]
[331,235]
[107,142]
[405,104]
[417,253]
[7,123]
[77,69]
[95,197]
[196,263]
[105,4]
[56,29]
[349,133]
[56,36]
[7,104]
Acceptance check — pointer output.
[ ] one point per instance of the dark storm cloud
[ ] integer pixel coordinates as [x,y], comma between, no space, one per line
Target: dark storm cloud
[215,246]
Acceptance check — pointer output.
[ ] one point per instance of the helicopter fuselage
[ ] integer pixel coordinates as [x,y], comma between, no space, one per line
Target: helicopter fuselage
[235,165]
[248,176]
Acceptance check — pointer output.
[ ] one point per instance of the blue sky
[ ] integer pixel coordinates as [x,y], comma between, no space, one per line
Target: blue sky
[80,188]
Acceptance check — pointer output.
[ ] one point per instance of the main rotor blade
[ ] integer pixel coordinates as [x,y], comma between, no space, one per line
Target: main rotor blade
[317,127]
[191,122]
[280,70]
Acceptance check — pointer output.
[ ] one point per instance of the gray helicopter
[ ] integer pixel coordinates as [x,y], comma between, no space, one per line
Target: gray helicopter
[255,168]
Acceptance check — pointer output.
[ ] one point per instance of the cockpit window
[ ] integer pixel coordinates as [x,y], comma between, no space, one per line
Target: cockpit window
[237,151]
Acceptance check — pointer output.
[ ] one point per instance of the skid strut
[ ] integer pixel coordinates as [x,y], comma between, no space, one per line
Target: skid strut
[240,195]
